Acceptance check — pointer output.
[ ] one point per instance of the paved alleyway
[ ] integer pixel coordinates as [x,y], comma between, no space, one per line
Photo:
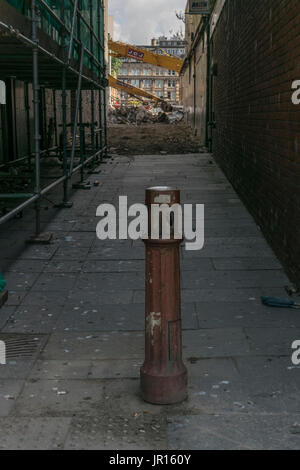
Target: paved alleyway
[76,316]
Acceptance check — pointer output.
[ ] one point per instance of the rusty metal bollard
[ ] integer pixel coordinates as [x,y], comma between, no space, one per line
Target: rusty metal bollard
[163,374]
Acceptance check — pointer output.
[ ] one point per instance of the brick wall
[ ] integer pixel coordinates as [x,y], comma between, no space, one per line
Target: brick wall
[256,46]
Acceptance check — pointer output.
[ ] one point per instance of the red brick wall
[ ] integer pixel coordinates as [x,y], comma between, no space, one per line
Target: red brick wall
[256,46]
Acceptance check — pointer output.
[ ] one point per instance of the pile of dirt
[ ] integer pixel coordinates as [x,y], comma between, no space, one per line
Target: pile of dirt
[141,115]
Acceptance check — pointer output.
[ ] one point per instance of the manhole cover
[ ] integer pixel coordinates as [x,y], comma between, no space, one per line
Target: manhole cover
[20,345]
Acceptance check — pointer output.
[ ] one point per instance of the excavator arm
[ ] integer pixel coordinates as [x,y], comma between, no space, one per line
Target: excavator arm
[121,49]
[137,92]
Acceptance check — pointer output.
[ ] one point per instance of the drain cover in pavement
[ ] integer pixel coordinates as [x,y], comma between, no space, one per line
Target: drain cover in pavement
[21,345]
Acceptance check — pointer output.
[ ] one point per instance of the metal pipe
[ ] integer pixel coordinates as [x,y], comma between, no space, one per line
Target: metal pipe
[92,67]
[36,101]
[55,117]
[100,91]
[26,157]
[17,209]
[15,195]
[88,26]
[72,30]
[78,96]
[208,87]
[81,138]
[64,133]
[54,15]
[27,109]
[105,122]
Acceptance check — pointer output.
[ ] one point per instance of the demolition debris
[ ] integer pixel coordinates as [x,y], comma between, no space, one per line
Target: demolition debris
[142,114]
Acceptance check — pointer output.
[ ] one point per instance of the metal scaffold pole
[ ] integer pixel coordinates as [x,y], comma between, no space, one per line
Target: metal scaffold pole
[105,123]
[36,101]
[27,109]
[92,90]
[64,112]
[100,125]
[63,52]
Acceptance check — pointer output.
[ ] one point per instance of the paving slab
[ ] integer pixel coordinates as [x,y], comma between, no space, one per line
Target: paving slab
[59,398]
[5,313]
[55,282]
[233,279]
[206,343]
[274,341]
[113,266]
[235,432]
[123,432]
[60,369]
[33,433]
[100,297]
[110,281]
[32,319]
[9,391]
[20,281]
[222,295]
[249,264]
[26,266]
[244,314]
[88,346]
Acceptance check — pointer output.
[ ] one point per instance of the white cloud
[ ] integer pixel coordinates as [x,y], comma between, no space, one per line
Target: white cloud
[138,21]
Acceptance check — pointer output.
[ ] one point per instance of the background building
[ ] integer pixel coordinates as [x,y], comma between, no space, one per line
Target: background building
[156,80]
[114,94]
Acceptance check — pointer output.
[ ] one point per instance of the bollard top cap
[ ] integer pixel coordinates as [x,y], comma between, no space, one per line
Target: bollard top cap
[161,188]
[162,195]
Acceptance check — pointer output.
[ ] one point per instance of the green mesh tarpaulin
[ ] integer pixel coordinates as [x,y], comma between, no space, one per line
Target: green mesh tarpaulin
[18,4]
[52,27]
[2,283]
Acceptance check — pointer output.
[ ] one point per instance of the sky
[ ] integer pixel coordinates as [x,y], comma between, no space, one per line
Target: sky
[138,21]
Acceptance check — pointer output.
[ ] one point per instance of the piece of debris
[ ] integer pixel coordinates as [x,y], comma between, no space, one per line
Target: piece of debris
[140,114]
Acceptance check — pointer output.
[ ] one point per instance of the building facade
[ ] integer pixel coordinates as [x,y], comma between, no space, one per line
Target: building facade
[240,69]
[158,81]
[113,93]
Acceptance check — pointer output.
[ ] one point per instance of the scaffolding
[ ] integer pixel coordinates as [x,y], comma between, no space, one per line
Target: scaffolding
[54,47]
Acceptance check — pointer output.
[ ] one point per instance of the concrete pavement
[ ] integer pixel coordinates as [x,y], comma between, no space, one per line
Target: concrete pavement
[75,317]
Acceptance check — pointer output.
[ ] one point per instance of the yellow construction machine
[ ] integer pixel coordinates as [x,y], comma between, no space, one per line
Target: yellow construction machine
[164,60]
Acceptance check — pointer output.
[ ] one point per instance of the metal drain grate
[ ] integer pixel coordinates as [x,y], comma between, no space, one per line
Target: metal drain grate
[21,345]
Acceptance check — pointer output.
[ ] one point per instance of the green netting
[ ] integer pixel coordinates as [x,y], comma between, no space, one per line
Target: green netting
[52,27]
[2,283]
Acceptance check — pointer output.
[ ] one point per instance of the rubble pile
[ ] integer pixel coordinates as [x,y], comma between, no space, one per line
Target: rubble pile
[139,115]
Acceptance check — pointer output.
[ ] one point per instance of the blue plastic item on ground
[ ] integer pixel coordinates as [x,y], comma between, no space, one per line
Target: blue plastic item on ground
[280,303]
